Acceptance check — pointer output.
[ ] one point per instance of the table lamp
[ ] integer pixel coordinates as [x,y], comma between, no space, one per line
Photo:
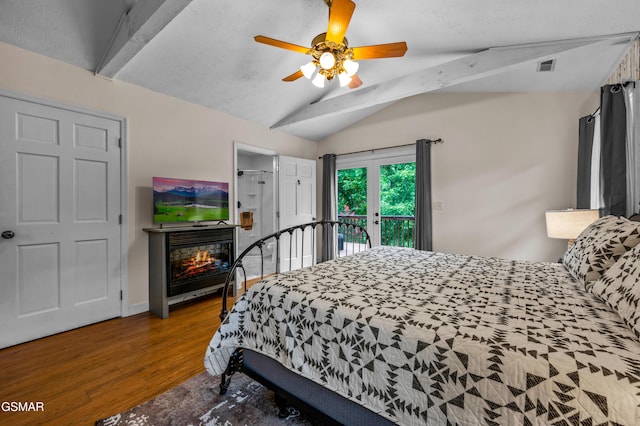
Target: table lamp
[568,224]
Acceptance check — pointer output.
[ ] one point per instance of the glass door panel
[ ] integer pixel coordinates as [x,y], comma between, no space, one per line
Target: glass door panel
[378,194]
[352,207]
[397,204]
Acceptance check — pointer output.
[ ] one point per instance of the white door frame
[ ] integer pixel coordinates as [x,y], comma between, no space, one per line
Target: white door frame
[242,147]
[372,162]
[124,206]
[238,146]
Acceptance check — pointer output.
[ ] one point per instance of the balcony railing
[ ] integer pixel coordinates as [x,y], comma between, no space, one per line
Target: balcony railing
[395,230]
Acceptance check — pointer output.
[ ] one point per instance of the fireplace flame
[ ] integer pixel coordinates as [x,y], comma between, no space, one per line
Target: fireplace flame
[202,257]
[200,262]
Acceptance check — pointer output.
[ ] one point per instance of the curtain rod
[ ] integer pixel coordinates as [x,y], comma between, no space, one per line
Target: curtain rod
[439,140]
[594,113]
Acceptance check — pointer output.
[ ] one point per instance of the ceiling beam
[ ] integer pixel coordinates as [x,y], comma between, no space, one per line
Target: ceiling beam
[483,64]
[136,28]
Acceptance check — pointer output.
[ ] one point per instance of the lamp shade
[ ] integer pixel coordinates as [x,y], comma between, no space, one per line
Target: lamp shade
[327,60]
[351,67]
[568,224]
[344,79]
[318,80]
[308,69]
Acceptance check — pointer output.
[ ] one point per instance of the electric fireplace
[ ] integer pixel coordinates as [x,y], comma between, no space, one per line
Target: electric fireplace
[187,262]
[198,259]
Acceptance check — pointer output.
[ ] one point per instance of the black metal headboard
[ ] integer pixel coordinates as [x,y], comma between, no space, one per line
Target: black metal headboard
[348,231]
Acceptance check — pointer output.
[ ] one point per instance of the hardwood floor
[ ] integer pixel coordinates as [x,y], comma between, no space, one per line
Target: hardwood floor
[93,372]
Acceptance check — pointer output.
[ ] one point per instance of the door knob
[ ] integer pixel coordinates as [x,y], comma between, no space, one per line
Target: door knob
[7,235]
[377,222]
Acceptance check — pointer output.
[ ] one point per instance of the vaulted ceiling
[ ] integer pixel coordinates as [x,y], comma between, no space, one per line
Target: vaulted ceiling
[203,51]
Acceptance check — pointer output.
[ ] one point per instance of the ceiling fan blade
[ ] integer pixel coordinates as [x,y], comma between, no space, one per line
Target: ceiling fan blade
[281,44]
[389,50]
[355,82]
[293,77]
[339,17]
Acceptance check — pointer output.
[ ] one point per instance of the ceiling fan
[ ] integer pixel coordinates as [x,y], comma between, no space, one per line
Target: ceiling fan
[332,56]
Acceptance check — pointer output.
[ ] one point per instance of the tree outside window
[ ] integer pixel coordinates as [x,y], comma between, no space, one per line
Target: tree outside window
[397,200]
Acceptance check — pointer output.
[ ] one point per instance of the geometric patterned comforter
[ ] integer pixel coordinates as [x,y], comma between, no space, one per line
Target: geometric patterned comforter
[431,338]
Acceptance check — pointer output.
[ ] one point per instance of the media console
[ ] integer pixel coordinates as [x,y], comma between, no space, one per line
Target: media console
[187,262]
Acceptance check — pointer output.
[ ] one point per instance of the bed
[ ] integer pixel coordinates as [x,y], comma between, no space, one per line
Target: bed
[401,336]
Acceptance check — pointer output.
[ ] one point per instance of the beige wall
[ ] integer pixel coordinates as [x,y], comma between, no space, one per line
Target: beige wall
[506,158]
[166,137]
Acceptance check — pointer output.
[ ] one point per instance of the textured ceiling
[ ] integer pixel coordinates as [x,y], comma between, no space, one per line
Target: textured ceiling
[206,54]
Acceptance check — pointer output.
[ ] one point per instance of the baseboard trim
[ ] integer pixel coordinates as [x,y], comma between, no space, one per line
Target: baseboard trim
[136,309]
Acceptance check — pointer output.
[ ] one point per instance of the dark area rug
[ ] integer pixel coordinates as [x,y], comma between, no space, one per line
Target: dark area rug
[198,402]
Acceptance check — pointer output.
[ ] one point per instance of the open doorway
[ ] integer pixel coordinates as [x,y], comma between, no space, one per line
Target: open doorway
[256,201]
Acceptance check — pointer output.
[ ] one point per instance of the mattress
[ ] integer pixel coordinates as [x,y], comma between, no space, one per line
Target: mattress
[432,338]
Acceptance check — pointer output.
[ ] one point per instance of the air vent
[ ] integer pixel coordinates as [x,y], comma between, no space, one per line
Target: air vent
[547,66]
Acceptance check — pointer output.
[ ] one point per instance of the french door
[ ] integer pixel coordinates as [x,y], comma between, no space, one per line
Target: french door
[378,192]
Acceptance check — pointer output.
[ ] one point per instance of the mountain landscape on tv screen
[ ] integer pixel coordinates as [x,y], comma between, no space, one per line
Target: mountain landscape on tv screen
[204,195]
[190,201]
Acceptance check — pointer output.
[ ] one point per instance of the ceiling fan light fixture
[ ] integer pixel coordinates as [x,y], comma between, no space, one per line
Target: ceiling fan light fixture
[308,69]
[330,50]
[327,60]
[351,67]
[344,79]
[318,81]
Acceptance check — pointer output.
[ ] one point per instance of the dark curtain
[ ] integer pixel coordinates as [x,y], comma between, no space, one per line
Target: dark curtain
[613,125]
[585,148]
[329,205]
[422,231]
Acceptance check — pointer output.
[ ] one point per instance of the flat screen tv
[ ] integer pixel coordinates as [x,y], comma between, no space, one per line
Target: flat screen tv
[183,200]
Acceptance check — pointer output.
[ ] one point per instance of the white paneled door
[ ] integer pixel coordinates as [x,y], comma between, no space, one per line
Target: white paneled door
[297,205]
[60,253]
